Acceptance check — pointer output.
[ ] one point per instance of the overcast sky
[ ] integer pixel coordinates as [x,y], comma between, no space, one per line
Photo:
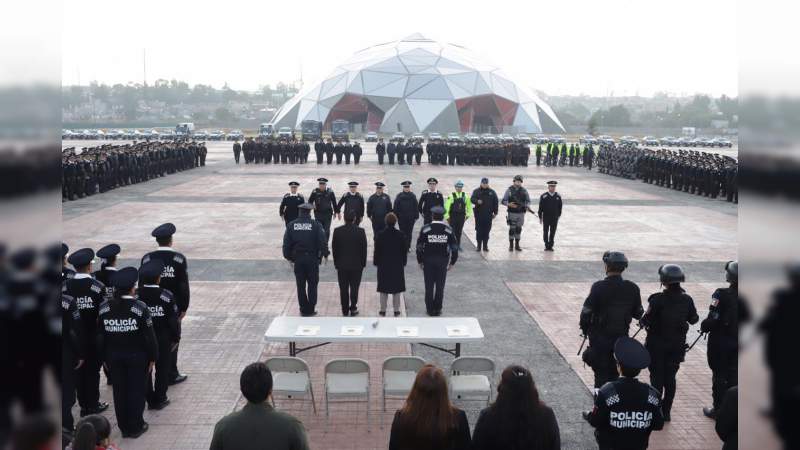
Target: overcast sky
[624,47]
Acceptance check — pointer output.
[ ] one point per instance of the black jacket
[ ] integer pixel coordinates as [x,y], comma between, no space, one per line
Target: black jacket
[667,319]
[349,247]
[352,202]
[175,277]
[610,306]
[488,205]
[126,328]
[288,209]
[378,206]
[487,434]
[304,238]
[457,439]
[406,206]
[391,256]
[436,240]
[550,206]
[635,410]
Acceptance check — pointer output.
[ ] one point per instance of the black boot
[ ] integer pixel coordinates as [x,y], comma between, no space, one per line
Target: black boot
[516,245]
[478,247]
[511,245]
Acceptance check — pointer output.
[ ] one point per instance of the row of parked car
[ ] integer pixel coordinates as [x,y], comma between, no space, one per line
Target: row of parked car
[666,141]
[153,134]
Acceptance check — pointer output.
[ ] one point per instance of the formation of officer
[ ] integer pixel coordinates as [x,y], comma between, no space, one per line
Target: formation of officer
[550,205]
[484,207]
[517,201]
[437,253]
[271,151]
[109,166]
[400,150]
[429,199]
[288,209]
[379,205]
[478,154]
[304,246]
[406,208]
[554,155]
[457,209]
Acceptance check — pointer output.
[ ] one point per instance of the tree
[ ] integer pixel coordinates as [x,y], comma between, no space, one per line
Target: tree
[223,115]
[729,107]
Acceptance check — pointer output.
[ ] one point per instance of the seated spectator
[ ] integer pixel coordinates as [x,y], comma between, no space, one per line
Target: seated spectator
[93,433]
[428,421]
[517,419]
[257,425]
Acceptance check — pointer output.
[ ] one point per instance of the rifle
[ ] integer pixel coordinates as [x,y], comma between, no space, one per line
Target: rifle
[582,343]
[701,334]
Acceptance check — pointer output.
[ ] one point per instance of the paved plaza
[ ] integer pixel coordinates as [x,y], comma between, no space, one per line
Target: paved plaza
[527,302]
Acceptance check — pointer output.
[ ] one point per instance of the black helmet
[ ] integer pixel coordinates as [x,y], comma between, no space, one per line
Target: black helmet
[615,260]
[732,271]
[671,274]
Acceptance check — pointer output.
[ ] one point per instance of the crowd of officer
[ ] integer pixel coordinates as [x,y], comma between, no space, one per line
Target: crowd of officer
[271,151]
[478,154]
[553,155]
[109,166]
[404,152]
[702,173]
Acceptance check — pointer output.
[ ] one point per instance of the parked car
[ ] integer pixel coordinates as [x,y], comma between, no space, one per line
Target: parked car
[398,137]
[234,135]
[371,137]
[434,137]
[523,138]
[200,135]
[285,133]
[216,135]
[650,140]
[453,137]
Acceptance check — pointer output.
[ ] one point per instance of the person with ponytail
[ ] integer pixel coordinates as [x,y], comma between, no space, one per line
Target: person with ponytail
[93,433]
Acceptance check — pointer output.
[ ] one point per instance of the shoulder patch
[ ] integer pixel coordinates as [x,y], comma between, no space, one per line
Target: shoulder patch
[426,228]
[178,258]
[136,309]
[96,287]
[104,308]
[166,297]
[286,195]
[146,259]
[613,400]
[652,398]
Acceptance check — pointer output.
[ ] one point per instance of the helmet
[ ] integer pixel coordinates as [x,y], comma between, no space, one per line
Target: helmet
[671,273]
[615,259]
[732,271]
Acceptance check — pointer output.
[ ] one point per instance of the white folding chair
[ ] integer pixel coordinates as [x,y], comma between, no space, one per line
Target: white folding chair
[346,379]
[469,380]
[399,373]
[291,377]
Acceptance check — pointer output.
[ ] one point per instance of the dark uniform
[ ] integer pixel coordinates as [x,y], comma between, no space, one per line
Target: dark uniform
[288,209]
[406,208]
[484,206]
[352,201]
[129,346]
[73,349]
[378,206]
[380,149]
[626,410]
[304,245]
[429,199]
[436,249]
[237,151]
[108,255]
[549,212]
[324,202]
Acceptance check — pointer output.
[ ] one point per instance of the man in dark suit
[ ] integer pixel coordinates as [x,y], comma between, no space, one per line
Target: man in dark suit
[349,247]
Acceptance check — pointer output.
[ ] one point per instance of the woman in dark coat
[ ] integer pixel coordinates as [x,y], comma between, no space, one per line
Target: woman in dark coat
[390,258]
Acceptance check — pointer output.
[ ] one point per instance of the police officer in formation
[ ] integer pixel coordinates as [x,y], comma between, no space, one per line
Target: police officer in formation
[380,150]
[237,151]
[328,150]
[550,205]
[281,151]
[437,253]
[606,316]
[174,278]
[667,319]
[406,208]
[353,201]
[106,167]
[517,200]
[391,151]
[478,154]
[164,311]
[429,199]
[89,294]
[73,354]
[304,246]
[485,204]
[319,149]
[457,209]
[357,152]
[378,206]
[108,263]
[290,203]
[130,349]
[626,410]
[324,204]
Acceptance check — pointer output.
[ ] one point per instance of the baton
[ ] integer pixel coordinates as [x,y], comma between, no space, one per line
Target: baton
[689,347]
[582,344]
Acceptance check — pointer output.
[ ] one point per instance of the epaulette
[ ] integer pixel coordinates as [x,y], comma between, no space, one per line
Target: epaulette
[286,195]
[136,309]
[425,228]
[104,308]
[178,258]
[166,296]
[146,259]
[96,286]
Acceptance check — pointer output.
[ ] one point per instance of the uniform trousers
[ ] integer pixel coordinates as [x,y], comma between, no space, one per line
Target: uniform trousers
[435,274]
[306,273]
[130,389]
[349,281]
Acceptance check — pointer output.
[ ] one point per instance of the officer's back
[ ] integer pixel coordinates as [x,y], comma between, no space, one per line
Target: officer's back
[437,241]
[669,314]
[304,237]
[614,301]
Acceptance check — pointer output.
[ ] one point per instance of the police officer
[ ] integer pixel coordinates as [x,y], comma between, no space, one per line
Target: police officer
[319,148]
[73,352]
[626,410]
[357,152]
[391,150]
[328,153]
[353,201]
[606,316]
[290,202]
[722,326]
[429,199]
[130,349]
[669,314]
[517,200]
[406,209]
[485,203]
[550,205]
[66,272]
[304,246]
[380,149]
[324,201]
[108,262]
[88,294]
[174,278]
[237,150]
[437,253]
[378,206]
[457,209]
[161,304]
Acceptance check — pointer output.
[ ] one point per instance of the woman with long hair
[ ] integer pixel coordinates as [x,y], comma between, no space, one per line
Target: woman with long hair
[428,421]
[517,420]
[92,433]
[390,258]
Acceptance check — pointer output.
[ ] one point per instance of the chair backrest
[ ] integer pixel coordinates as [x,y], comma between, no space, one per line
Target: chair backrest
[472,364]
[287,364]
[347,366]
[403,363]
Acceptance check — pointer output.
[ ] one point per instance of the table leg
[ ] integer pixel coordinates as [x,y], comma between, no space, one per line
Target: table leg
[458,350]
[291,349]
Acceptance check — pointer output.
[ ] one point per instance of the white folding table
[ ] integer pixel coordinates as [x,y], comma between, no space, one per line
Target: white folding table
[425,331]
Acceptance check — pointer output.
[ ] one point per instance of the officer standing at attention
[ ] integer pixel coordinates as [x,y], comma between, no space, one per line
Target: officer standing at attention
[550,205]
[174,278]
[485,203]
[353,201]
[606,316]
[626,410]
[429,199]
[406,209]
[129,346]
[161,304]
[291,200]
[319,148]
[437,253]
[324,203]
[237,150]
[391,149]
[304,246]
[88,294]
[378,206]
[722,326]
[380,149]
[108,257]
[517,200]
[73,352]
[329,152]
[669,314]
[457,209]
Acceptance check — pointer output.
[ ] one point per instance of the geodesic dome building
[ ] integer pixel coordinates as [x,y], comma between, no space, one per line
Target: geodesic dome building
[419,85]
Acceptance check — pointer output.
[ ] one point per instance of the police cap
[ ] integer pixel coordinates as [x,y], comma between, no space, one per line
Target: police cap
[81,258]
[125,278]
[109,251]
[380,184]
[322,180]
[484,180]
[432,180]
[552,183]
[352,183]
[151,269]
[732,271]
[307,206]
[405,183]
[631,354]
[164,230]
[294,183]
[671,273]
[437,210]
